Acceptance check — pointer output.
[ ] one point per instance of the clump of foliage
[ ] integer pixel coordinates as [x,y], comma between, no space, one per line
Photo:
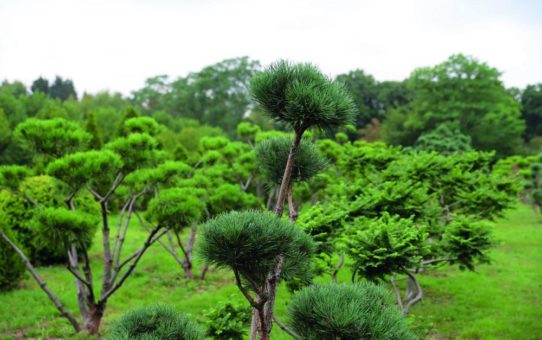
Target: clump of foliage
[228,320]
[340,311]
[260,249]
[445,139]
[155,322]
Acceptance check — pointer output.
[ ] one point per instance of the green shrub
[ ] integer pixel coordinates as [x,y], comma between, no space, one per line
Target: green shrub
[250,242]
[158,322]
[228,320]
[347,312]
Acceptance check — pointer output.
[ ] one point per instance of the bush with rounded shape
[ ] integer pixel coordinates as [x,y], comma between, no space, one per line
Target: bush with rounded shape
[141,125]
[248,131]
[97,168]
[384,246]
[272,154]
[137,150]
[55,137]
[155,322]
[175,208]
[347,312]
[250,242]
[61,227]
[229,197]
[466,241]
[300,95]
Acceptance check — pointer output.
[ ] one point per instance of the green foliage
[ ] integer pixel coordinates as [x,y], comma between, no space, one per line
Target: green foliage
[53,137]
[460,89]
[349,312]
[95,168]
[175,208]
[11,176]
[136,150]
[12,268]
[141,125]
[466,241]
[250,243]
[227,197]
[302,96]
[155,322]
[61,227]
[248,131]
[272,154]
[228,320]
[531,110]
[96,142]
[445,139]
[379,247]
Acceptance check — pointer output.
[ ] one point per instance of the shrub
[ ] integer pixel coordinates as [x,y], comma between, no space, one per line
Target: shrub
[347,312]
[228,320]
[158,322]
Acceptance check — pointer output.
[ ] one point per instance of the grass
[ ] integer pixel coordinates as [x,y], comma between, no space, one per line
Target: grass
[498,301]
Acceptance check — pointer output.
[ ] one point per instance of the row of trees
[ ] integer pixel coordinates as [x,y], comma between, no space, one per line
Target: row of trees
[461,91]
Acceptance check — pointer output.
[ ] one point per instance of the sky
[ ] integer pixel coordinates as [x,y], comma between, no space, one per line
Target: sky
[115,45]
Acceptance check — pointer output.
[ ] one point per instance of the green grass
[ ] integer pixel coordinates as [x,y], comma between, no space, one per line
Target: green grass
[498,301]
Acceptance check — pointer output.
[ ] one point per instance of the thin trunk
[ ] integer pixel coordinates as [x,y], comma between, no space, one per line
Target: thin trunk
[204,271]
[61,308]
[283,191]
[292,212]
[93,320]
[271,290]
[108,260]
[419,293]
[82,298]
[337,268]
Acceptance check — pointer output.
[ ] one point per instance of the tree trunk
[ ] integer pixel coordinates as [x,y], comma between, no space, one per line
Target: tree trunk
[283,191]
[94,318]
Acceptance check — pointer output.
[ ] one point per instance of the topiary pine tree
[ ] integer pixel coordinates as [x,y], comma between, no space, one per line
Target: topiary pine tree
[155,322]
[260,249]
[301,96]
[349,312]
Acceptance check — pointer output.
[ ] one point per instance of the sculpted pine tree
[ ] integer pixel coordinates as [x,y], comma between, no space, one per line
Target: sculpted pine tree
[100,172]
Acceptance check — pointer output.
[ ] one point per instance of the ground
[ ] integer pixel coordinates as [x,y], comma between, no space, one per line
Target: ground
[502,300]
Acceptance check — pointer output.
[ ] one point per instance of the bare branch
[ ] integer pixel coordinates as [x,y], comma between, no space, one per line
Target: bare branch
[258,305]
[419,294]
[397,292]
[286,328]
[61,308]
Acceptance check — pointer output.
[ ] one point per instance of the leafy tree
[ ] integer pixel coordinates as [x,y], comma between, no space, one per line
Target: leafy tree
[40,85]
[155,322]
[460,89]
[100,172]
[62,89]
[359,311]
[531,110]
[364,90]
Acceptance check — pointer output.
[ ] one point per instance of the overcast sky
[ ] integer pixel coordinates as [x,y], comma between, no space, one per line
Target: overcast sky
[115,45]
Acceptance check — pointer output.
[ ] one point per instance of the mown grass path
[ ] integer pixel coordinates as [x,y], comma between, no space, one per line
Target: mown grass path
[498,301]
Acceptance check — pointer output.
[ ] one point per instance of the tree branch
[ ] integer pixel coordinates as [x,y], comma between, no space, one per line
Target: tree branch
[42,284]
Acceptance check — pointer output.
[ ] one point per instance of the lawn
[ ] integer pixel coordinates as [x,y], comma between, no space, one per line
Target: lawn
[502,300]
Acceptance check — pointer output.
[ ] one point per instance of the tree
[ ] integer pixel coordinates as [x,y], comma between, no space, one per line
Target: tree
[446,139]
[359,311]
[304,98]
[364,90]
[62,89]
[155,322]
[260,249]
[460,89]
[100,172]
[531,110]
[40,85]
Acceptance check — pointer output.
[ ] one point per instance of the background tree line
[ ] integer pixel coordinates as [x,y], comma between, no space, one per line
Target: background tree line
[462,93]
